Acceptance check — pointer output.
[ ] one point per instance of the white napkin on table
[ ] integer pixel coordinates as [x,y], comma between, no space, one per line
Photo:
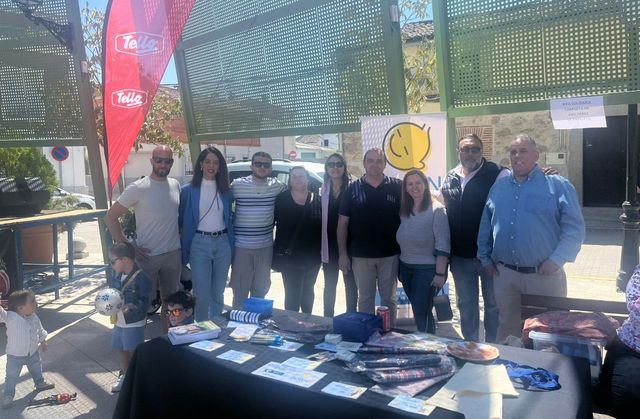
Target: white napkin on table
[476,391]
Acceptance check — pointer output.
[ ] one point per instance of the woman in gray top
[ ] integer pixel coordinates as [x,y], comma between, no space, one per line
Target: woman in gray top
[423,237]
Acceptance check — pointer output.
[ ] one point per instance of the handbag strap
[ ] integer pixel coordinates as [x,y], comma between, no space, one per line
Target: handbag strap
[300,220]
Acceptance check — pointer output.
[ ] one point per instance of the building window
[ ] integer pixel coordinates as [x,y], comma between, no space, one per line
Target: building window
[308,155]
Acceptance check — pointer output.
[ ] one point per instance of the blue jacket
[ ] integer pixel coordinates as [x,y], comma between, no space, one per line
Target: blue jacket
[137,294]
[189,214]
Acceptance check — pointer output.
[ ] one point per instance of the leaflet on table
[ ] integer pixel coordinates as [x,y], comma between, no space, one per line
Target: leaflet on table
[290,375]
[207,345]
[236,356]
[324,356]
[344,345]
[288,346]
[344,390]
[243,332]
[303,364]
[232,324]
[413,405]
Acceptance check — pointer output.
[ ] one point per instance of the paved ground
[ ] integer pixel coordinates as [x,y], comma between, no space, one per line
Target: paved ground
[80,359]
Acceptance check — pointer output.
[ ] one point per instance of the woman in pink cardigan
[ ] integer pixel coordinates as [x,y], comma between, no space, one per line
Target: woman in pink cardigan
[336,180]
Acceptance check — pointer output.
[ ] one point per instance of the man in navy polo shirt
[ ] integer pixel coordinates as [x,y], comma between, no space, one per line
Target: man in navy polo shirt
[369,216]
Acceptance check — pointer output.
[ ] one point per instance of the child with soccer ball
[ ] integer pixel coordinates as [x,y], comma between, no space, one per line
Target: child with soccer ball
[133,283]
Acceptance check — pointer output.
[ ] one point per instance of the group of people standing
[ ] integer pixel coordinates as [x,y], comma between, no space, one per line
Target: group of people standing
[506,232]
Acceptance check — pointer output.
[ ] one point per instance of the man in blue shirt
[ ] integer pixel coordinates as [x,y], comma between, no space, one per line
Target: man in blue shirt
[531,226]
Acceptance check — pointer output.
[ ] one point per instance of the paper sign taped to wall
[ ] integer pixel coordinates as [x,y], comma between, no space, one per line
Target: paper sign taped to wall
[578,112]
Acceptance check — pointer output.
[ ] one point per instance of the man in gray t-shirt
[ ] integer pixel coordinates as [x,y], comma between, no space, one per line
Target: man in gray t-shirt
[155,200]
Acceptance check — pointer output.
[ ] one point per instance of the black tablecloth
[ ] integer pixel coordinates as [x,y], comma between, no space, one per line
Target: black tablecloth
[165,380]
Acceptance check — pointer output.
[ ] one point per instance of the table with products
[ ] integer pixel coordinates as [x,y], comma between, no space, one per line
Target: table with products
[165,380]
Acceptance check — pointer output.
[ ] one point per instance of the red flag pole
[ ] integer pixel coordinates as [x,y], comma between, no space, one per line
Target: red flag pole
[139,39]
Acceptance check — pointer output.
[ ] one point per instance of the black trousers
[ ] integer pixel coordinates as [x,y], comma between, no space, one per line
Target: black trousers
[299,280]
[331,273]
[619,387]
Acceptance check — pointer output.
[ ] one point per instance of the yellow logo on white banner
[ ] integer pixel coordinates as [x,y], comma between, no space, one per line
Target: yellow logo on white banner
[407,145]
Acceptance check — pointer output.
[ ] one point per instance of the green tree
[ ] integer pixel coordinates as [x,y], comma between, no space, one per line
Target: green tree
[27,162]
[164,109]
[421,79]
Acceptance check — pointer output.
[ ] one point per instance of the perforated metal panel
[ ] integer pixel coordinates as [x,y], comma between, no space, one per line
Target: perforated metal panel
[248,68]
[39,93]
[518,51]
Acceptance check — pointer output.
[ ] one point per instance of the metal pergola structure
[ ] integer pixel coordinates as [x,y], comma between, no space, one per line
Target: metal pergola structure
[251,69]
[504,56]
[45,95]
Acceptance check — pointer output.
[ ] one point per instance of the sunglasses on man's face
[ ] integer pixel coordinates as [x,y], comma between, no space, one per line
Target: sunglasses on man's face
[334,165]
[159,160]
[112,261]
[175,312]
[263,164]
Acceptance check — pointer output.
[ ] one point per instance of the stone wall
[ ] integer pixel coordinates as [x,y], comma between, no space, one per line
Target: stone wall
[560,149]
[352,152]
[552,143]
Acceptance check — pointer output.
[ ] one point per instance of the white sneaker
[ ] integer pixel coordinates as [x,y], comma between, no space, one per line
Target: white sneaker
[118,384]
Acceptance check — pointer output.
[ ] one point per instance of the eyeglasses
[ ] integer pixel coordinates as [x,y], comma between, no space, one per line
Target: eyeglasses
[175,312]
[159,160]
[470,150]
[112,261]
[263,164]
[334,165]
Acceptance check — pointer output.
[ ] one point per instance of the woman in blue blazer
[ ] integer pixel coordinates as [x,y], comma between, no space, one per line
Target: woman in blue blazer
[206,226]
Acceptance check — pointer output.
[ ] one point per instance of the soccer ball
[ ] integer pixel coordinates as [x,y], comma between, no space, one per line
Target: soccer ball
[108,301]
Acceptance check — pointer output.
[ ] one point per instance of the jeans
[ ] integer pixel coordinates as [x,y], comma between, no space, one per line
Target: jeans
[466,274]
[210,259]
[299,280]
[331,272]
[14,367]
[417,285]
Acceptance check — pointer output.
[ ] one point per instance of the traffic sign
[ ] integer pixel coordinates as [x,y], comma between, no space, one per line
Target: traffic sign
[60,153]
[293,154]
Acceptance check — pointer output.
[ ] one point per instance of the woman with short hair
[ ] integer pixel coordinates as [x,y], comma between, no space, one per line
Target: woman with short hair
[297,243]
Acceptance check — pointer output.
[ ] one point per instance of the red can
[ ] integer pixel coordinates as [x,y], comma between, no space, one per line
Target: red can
[384,313]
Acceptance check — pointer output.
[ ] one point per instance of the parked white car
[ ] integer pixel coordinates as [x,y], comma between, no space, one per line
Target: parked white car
[84,201]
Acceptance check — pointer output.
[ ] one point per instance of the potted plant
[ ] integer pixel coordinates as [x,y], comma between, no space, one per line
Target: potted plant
[37,242]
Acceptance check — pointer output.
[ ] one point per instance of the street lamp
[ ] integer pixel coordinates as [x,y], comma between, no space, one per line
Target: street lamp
[62,33]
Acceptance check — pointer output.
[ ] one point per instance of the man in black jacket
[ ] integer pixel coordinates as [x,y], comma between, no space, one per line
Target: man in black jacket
[464,193]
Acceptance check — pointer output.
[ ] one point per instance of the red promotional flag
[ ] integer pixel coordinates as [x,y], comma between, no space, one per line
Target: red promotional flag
[139,38]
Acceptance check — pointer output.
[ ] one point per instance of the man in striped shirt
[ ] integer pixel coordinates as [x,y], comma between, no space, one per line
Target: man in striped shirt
[255,198]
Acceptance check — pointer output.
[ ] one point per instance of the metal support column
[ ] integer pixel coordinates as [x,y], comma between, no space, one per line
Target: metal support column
[630,208]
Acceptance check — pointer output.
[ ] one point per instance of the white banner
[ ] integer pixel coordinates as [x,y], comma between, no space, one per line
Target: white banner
[409,142]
